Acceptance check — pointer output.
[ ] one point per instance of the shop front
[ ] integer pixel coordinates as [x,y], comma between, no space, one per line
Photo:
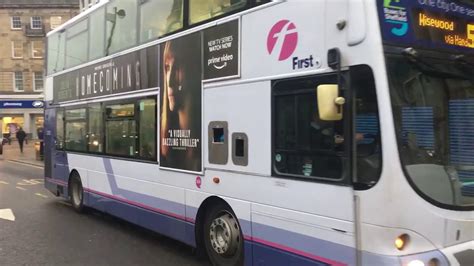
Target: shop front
[27,114]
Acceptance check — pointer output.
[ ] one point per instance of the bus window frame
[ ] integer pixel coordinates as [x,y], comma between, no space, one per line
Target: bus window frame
[186,26]
[347,172]
[63,111]
[249,4]
[136,117]
[88,127]
[360,186]
[69,36]
[124,118]
[75,107]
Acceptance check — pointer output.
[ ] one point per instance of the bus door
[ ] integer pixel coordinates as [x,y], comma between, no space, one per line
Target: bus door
[56,159]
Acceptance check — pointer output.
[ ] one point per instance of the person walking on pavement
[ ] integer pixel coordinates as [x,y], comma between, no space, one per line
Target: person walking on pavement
[21,136]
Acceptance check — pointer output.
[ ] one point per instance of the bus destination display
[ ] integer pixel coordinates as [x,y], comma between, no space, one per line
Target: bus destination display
[430,24]
[437,28]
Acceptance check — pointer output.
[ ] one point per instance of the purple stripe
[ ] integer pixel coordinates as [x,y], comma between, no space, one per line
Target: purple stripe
[294,251]
[137,204]
[304,243]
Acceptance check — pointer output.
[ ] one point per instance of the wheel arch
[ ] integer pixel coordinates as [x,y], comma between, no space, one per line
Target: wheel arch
[200,217]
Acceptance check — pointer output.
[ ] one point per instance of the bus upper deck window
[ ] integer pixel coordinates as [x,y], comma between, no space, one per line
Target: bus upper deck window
[201,10]
[158,18]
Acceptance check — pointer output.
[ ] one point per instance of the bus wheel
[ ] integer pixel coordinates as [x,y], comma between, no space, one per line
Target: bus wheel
[76,193]
[222,237]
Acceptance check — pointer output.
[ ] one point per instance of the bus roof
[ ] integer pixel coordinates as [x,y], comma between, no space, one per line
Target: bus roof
[79,17]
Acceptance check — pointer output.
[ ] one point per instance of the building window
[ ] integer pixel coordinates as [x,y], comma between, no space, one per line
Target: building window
[55,21]
[38,81]
[37,50]
[17,49]
[18,82]
[16,23]
[36,22]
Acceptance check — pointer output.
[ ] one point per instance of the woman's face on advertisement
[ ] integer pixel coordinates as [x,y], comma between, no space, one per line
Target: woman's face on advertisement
[173,80]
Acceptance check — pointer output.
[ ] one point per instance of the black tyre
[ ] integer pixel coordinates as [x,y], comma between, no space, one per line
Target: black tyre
[222,237]
[76,193]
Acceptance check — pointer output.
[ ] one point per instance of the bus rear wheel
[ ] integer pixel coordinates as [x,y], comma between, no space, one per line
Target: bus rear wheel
[223,239]
[76,193]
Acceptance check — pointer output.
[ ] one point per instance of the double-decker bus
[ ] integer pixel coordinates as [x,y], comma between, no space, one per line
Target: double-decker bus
[271,132]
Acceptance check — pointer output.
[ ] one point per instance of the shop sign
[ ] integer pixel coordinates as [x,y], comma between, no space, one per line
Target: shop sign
[15,104]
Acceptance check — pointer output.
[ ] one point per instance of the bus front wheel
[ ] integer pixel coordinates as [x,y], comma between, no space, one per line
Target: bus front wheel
[76,193]
[223,239]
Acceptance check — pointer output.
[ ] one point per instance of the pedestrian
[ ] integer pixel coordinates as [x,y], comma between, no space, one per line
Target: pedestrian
[8,136]
[21,136]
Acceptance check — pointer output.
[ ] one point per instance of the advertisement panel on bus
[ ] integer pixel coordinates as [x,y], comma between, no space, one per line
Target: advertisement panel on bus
[180,127]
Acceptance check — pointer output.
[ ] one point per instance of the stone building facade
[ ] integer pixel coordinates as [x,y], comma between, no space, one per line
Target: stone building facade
[23,27]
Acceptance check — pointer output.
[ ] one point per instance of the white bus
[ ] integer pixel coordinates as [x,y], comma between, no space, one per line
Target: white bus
[271,132]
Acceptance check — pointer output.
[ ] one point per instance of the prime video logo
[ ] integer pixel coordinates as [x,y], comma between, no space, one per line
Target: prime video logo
[397,16]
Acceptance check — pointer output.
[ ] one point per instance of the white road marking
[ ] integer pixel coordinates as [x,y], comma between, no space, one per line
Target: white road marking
[30,182]
[41,195]
[26,164]
[7,214]
[3,182]
[20,188]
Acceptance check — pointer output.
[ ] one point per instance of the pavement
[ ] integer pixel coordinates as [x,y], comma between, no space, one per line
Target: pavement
[12,153]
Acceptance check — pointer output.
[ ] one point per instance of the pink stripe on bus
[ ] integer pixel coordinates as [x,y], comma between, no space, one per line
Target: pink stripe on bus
[177,216]
[294,251]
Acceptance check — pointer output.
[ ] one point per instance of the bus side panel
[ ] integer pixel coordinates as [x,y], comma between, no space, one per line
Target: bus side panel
[136,192]
[294,219]
[56,163]
[166,225]
[50,131]
[304,20]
